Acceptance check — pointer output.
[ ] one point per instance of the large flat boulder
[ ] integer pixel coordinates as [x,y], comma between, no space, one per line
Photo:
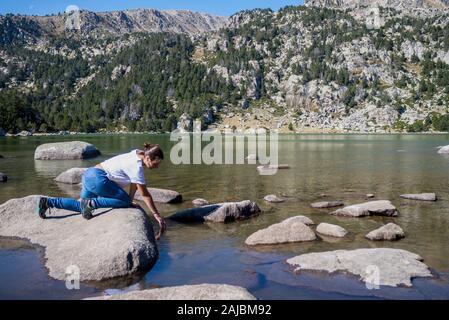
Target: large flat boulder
[389,232]
[420,196]
[222,212]
[71,176]
[291,230]
[162,196]
[380,266]
[189,292]
[372,208]
[114,243]
[66,151]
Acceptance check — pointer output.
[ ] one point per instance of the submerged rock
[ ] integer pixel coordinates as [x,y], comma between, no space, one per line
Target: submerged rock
[420,197]
[222,212]
[71,176]
[189,292]
[326,204]
[162,196]
[273,198]
[378,208]
[66,151]
[393,267]
[389,232]
[114,243]
[200,202]
[3,177]
[291,230]
[271,169]
[331,230]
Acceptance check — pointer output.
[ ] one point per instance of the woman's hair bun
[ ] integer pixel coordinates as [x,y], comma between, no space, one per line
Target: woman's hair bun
[154,151]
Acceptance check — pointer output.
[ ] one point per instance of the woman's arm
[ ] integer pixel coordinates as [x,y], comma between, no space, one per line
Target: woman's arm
[148,199]
[132,191]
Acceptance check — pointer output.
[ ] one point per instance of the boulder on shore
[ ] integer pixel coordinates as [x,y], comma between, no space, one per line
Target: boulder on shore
[222,212]
[71,176]
[273,198]
[200,202]
[420,196]
[388,232]
[188,292]
[66,151]
[24,133]
[291,230]
[115,243]
[394,267]
[326,204]
[3,177]
[331,230]
[162,196]
[372,208]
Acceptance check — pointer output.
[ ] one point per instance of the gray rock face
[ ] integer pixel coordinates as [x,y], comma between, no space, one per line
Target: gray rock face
[331,230]
[185,123]
[117,243]
[162,196]
[378,208]
[389,232]
[327,204]
[393,266]
[223,212]
[3,177]
[291,230]
[200,202]
[420,197]
[273,198]
[397,4]
[190,292]
[71,176]
[66,151]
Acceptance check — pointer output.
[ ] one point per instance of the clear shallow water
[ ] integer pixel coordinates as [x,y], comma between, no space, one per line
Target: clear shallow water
[344,167]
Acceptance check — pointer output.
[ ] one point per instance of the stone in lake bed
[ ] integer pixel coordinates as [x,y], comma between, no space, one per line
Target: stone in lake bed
[222,212]
[291,230]
[372,208]
[162,196]
[395,267]
[115,243]
[3,177]
[71,176]
[69,150]
[420,196]
[388,232]
[187,292]
[200,202]
[326,204]
[331,230]
[273,198]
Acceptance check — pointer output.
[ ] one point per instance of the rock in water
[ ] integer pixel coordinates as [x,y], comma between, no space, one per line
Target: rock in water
[331,230]
[162,196]
[3,177]
[118,243]
[267,170]
[71,176]
[66,151]
[394,266]
[24,134]
[421,196]
[290,230]
[443,150]
[389,232]
[200,202]
[273,199]
[327,204]
[372,208]
[222,212]
[190,292]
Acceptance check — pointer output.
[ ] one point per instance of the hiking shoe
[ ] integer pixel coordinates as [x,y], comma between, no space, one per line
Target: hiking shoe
[42,207]
[86,209]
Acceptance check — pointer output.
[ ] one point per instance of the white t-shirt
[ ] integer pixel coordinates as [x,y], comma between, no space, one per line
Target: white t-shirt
[125,169]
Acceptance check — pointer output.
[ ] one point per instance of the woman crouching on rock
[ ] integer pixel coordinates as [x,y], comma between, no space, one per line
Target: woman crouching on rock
[103,185]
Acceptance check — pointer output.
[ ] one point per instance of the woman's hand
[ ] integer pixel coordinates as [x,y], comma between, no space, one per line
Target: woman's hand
[162,225]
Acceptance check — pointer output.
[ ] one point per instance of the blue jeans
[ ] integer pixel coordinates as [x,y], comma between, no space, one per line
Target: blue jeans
[97,187]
